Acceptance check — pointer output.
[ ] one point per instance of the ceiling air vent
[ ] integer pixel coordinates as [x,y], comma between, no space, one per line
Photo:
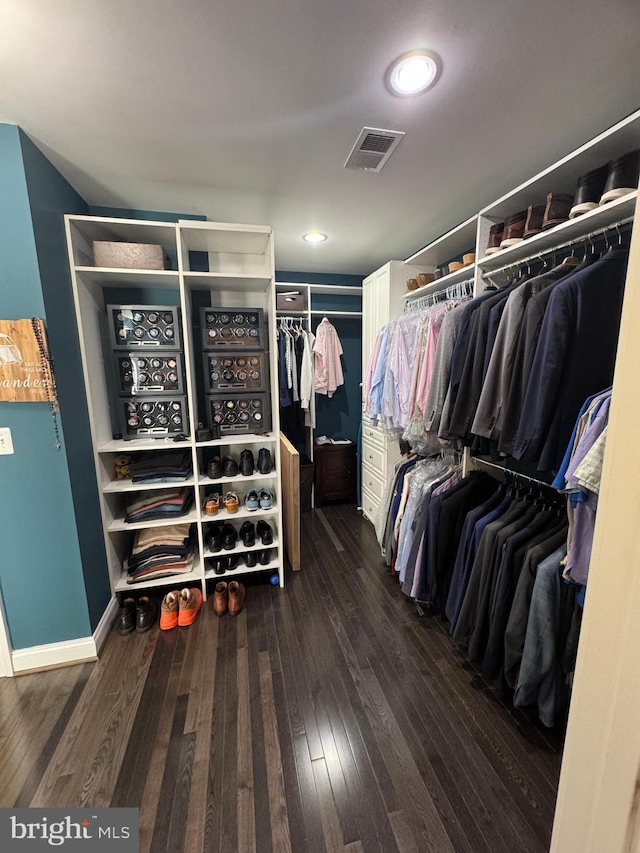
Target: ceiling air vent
[373,148]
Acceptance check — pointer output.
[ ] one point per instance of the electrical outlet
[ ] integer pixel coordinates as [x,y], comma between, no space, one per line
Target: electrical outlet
[6,444]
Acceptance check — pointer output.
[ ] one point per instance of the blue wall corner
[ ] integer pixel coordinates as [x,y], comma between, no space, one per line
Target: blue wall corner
[40,565]
[50,197]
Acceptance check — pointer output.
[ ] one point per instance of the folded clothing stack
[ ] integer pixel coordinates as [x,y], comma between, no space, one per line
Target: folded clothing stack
[158,503]
[161,551]
[161,467]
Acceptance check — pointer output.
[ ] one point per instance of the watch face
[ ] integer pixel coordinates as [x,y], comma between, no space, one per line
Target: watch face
[224,319]
[167,318]
[238,318]
[156,363]
[139,332]
[212,319]
[158,377]
[146,407]
[252,319]
[153,317]
[168,333]
[138,317]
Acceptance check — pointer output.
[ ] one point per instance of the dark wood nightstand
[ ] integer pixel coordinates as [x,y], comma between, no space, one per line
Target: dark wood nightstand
[335,478]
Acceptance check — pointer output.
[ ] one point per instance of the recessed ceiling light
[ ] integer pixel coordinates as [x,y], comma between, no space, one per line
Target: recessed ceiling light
[412,73]
[314,237]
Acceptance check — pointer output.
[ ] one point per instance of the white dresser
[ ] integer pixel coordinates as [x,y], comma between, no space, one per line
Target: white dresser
[382,299]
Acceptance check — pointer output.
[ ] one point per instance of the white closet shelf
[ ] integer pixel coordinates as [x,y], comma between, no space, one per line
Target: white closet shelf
[243,513]
[242,570]
[122,446]
[234,440]
[239,478]
[127,485]
[157,279]
[337,313]
[119,524]
[465,274]
[581,226]
[129,230]
[335,289]
[225,237]
[240,549]
[227,281]
[454,243]
[176,581]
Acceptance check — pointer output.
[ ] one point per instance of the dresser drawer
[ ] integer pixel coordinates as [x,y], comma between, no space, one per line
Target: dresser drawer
[370,505]
[372,482]
[375,457]
[373,434]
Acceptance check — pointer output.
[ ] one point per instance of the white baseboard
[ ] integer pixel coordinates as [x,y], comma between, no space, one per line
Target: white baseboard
[54,654]
[104,625]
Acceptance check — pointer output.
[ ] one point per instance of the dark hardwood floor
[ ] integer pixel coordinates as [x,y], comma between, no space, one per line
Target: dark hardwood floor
[328,716]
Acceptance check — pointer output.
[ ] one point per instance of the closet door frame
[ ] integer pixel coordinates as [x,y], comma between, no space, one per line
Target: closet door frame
[598,804]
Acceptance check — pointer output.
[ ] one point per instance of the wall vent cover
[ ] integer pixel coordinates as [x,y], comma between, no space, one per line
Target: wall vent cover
[373,148]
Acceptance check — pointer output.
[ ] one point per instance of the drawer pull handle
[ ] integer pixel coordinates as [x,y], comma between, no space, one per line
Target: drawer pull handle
[370,456]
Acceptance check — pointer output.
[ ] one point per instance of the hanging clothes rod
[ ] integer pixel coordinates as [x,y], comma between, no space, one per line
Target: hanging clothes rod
[585,238]
[454,291]
[516,474]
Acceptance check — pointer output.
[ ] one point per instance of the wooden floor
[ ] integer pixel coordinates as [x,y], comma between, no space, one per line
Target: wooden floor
[327,716]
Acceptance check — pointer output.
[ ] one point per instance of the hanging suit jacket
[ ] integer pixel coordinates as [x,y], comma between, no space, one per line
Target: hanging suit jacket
[574,358]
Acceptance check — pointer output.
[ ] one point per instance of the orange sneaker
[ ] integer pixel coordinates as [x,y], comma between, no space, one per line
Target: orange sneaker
[190,603]
[231,502]
[212,504]
[169,611]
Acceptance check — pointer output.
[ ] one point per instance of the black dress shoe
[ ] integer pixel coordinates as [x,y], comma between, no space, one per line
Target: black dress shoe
[264,461]
[589,191]
[247,463]
[214,469]
[265,557]
[231,562]
[215,538]
[146,613]
[623,177]
[229,466]
[218,565]
[248,534]
[265,533]
[250,559]
[127,617]
[229,537]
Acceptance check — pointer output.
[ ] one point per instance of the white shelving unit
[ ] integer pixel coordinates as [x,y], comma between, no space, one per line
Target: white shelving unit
[562,176]
[241,275]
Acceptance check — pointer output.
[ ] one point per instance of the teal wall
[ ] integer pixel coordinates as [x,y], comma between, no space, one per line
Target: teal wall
[50,197]
[41,574]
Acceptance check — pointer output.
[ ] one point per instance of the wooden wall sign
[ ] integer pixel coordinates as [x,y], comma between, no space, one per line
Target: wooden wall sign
[25,364]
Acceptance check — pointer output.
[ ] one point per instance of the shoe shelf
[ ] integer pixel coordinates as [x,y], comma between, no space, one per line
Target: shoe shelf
[176,581]
[127,486]
[235,440]
[589,223]
[119,523]
[223,515]
[465,274]
[240,549]
[241,274]
[273,566]
[158,279]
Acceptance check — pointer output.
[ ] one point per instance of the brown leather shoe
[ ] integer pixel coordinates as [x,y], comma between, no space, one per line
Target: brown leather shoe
[220,599]
[237,595]
[496,233]
[557,210]
[513,229]
[533,225]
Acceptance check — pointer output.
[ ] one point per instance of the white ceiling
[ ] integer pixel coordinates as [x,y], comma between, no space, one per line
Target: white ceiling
[246,110]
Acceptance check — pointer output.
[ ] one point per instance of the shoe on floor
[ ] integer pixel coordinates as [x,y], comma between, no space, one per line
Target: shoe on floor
[264,460]
[146,613]
[247,463]
[220,599]
[231,502]
[190,604]
[127,617]
[237,594]
[169,611]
